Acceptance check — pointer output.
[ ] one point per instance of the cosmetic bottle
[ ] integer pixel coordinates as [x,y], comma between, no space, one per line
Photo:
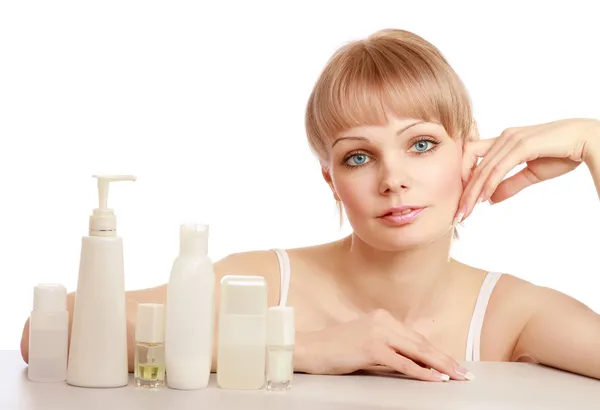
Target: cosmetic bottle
[242,333]
[48,334]
[98,351]
[149,361]
[280,347]
[190,311]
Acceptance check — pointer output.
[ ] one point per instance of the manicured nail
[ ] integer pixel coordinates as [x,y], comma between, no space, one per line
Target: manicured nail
[458,219]
[480,199]
[443,377]
[465,373]
[491,202]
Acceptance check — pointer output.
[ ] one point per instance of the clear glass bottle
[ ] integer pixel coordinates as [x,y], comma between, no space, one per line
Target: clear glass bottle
[280,348]
[149,359]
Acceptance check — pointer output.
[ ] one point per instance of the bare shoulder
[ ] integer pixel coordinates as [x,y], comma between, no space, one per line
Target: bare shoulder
[512,305]
[528,297]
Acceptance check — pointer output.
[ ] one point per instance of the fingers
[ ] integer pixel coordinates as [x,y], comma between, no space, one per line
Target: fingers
[513,185]
[472,152]
[422,351]
[387,357]
[402,341]
[510,150]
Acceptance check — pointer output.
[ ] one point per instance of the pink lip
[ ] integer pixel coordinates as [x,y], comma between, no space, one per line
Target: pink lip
[399,220]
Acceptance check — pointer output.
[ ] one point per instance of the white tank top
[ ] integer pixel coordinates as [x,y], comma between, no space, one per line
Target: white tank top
[472,352]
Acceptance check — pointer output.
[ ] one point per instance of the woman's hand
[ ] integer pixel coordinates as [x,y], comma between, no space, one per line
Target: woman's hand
[549,150]
[376,339]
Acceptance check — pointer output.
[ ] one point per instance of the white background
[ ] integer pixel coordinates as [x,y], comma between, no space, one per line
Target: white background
[205,104]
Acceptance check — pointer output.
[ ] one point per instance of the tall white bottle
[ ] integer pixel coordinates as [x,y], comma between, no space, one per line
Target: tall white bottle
[190,311]
[98,350]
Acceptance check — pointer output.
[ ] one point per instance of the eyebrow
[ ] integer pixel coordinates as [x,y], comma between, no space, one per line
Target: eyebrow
[400,131]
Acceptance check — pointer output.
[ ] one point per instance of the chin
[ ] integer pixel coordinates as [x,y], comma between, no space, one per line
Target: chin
[393,239]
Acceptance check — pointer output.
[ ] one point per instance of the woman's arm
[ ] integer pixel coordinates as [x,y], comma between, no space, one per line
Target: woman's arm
[562,333]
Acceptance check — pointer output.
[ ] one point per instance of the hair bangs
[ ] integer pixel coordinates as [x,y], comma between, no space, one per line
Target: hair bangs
[368,80]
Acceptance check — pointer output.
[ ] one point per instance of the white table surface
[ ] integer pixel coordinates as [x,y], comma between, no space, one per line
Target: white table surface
[511,386]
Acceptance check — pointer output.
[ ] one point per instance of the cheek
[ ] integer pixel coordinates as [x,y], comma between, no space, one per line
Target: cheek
[442,176]
[354,189]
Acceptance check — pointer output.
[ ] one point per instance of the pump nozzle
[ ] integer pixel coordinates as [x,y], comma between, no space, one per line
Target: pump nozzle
[103,221]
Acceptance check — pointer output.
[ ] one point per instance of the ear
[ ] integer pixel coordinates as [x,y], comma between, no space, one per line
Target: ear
[469,159]
[327,177]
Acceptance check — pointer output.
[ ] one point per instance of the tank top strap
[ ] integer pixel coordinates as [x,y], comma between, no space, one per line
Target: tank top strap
[473,350]
[284,273]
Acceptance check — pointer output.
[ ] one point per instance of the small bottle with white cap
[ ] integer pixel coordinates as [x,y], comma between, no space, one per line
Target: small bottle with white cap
[149,361]
[280,347]
[48,334]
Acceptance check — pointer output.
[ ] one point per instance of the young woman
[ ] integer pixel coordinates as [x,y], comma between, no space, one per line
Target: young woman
[392,126]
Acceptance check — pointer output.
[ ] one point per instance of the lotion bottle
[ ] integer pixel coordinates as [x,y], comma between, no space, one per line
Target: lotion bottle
[48,334]
[242,333]
[98,351]
[190,311]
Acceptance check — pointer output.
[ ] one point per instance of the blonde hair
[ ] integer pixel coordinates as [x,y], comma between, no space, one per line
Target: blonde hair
[391,71]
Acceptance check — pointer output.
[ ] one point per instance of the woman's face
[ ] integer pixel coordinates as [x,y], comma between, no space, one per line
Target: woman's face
[400,184]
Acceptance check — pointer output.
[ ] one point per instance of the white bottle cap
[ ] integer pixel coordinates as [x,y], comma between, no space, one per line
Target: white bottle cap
[150,324]
[193,239]
[49,298]
[243,295]
[280,326]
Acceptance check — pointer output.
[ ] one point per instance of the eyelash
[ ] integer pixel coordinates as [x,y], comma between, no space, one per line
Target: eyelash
[420,139]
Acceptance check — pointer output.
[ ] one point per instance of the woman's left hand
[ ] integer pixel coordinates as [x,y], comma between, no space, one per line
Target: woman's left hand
[549,150]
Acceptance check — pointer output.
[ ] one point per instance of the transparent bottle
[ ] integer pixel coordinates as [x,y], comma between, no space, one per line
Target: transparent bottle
[280,348]
[149,358]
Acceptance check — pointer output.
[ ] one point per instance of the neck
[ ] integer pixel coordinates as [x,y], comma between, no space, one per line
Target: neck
[408,283]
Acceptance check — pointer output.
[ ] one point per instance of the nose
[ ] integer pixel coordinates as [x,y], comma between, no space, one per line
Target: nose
[394,178]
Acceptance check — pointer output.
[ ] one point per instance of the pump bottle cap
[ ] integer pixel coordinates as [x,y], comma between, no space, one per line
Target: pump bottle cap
[49,298]
[103,221]
[280,326]
[150,324]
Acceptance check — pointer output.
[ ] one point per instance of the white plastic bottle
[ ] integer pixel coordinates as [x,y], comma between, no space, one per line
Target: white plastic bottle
[190,311]
[48,334]
[242,333]
[98,352]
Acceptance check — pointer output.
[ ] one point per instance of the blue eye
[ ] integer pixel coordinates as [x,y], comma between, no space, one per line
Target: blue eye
[357,160]
[421,146]
[424,145]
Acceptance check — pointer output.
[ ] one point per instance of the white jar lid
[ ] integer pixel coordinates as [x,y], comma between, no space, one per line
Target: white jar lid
[49,298]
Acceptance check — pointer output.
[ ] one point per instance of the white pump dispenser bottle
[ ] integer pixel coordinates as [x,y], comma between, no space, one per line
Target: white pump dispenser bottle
[98,349]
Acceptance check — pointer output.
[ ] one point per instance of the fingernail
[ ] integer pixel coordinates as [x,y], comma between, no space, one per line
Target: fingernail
[480,199]
[458,218]
[465,373]
[443,377]
[491,202]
